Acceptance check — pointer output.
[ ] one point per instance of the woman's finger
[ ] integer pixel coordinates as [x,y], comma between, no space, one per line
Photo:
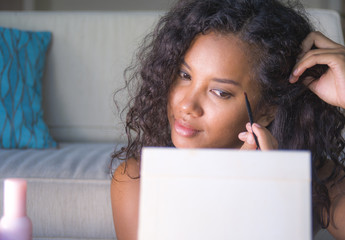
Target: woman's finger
[248,141]
[318,40]
[265,138]
[323,45]
[335,60]
[321,51]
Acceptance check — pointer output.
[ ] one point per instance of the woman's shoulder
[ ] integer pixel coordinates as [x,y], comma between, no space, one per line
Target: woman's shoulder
[125,184]
[337,220]
[125,199]
[336,190]
[126,181]
[127,170]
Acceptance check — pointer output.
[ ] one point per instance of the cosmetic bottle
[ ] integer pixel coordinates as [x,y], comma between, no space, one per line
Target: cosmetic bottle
[15,224]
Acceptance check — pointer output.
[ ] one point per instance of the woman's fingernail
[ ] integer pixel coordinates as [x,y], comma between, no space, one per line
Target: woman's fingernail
[257,125]
[242,136]
[250,139]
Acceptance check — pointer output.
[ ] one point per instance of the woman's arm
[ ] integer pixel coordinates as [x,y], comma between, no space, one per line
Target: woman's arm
[125,200]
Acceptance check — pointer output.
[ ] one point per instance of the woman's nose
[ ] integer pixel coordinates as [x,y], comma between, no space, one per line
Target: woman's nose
[191,104]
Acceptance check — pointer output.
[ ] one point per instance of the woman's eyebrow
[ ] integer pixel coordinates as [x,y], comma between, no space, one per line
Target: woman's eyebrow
[228,81]
[186,65]
[220,80]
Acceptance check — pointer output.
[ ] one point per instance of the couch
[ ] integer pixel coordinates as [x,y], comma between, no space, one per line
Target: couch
[68,194]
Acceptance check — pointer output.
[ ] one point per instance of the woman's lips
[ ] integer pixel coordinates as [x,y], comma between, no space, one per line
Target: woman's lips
[184,129]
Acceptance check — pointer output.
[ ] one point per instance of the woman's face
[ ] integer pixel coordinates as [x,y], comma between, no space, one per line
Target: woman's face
[206,104]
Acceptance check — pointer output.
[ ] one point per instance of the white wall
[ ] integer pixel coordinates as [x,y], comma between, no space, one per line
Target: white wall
[102,5]
[337,5]
[112,5]
[120,5]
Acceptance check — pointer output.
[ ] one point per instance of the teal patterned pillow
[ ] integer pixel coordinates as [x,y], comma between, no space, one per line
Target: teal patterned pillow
[22,59]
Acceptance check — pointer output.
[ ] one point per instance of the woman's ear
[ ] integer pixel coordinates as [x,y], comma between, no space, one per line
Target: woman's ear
[264,118]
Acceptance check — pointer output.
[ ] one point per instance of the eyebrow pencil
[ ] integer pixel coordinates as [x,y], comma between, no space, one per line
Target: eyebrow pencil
[250,115]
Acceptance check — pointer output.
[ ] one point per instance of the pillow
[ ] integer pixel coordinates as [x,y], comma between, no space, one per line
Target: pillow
[22,59]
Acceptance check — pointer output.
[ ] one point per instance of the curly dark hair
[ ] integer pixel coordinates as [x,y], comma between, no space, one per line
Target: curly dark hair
[273,32]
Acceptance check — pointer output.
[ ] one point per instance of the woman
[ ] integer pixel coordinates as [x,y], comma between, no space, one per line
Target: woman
[192,73]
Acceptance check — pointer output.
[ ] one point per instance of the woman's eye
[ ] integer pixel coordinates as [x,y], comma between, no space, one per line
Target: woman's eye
[184,75]
[221,94]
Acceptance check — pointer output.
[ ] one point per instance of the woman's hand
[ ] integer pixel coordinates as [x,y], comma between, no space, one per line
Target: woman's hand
[330,87]
[265,138]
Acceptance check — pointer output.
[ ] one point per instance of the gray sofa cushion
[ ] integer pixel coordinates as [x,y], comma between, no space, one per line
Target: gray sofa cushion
[68,189]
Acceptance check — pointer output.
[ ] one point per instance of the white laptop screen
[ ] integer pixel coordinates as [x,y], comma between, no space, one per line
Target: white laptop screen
[224,194]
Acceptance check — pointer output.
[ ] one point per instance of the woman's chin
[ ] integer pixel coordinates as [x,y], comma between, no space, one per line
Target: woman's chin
[186,143]
[189,143]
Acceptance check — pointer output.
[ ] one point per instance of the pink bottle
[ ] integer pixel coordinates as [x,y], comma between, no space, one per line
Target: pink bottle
[15,224]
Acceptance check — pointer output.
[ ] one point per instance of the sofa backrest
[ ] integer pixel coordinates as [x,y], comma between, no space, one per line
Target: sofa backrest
[86,60]
[328,22]
[85,64]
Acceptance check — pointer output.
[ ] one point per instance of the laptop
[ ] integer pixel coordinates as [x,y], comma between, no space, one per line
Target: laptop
[225,194]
